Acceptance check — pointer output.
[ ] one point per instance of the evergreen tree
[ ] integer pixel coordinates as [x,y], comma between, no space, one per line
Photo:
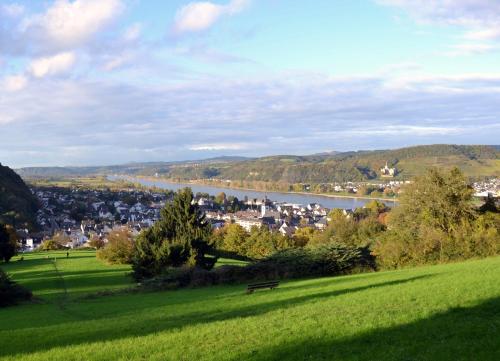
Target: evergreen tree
[178,238]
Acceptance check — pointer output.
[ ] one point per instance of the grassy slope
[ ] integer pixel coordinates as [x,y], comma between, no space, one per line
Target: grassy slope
[448,312]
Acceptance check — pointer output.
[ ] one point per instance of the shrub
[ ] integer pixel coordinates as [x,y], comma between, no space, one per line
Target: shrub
[172,278]
[234,239]
[324,260]
[256,244]
[96,242]
[437,222]
[327,260]
[50,245]
[119,249]
[58,241]
[360,230]
[10,292]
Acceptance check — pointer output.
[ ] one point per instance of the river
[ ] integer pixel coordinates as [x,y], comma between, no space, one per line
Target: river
[294,198]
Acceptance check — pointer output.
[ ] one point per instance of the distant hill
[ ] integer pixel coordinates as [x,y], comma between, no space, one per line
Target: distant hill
[128,168]
[474,160]
[18,205]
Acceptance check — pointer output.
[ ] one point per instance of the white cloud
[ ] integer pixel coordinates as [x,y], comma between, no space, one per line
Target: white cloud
[485,34]
[198,16]
[236,6]
[219,146]
[293,114]
[117,62]
[470,49]
[12,10]
[400,130]
[132,32]
[5,120]
[67,24]
[53,65]
[14,83]
[453,12]
[479,18]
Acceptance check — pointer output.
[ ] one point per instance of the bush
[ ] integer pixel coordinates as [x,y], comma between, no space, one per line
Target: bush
[96,243]
[51,245]
[327,260]
[172,278]
[58,241]
[436,222]
[324,260]
[10,292]
[119,249]
[256,244]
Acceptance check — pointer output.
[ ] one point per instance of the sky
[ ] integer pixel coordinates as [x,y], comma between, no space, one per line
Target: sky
[97,82]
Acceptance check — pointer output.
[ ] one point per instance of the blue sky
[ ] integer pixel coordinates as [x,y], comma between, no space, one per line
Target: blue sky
[110,81]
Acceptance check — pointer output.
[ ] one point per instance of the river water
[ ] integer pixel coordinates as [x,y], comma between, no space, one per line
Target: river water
[303,199]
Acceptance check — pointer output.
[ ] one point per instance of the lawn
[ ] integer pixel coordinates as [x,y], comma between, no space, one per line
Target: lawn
[446,312]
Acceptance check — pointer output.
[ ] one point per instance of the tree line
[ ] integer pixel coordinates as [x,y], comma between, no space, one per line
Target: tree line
[436,221]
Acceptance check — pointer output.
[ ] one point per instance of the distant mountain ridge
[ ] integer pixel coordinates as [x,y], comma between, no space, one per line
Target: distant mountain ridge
[18,206]
[127,168]
[474,160]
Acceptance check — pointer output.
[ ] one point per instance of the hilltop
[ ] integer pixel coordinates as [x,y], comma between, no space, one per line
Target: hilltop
[473,160]
[357,166]
[18,205]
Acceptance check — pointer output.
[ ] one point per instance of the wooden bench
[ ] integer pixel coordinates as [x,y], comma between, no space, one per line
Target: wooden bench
[256,286]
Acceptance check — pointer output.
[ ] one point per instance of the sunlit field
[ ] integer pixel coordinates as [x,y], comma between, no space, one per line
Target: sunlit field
[448,312]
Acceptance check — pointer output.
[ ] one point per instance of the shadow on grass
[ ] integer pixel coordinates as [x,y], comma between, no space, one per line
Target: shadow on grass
[49,279]
[326,281]
[113,328]
[19,266]
[49,256]
[459,334]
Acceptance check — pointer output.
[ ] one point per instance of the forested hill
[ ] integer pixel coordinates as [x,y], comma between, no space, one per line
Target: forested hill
[475,161]
[18,206]
[365,165]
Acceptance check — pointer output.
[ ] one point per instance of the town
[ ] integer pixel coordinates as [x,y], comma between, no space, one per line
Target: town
[80,214]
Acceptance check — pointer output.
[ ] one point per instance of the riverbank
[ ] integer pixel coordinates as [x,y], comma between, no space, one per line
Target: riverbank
[210,184]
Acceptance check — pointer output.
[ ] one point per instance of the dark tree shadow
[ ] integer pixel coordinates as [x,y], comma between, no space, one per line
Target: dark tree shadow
[471,333]
[108,330]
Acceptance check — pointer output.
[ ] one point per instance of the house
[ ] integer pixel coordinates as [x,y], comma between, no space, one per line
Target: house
[77,239]
[321,224]
[217,223]
[287,230]
[248,223]
[214,215]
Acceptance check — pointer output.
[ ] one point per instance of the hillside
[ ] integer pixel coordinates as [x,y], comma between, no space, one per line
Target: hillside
[18,206]
[445,312]
[129,168]
[475,161]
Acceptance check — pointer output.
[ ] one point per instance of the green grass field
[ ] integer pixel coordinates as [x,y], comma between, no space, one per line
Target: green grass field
[446,312]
